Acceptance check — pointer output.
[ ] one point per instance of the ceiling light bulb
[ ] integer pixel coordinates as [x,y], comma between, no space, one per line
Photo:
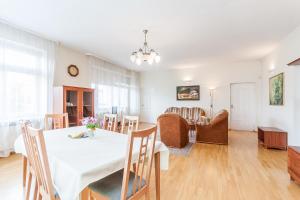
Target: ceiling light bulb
[138,61]
[152,53]
[157,58]
[150,61]
[139,53]
[133,57]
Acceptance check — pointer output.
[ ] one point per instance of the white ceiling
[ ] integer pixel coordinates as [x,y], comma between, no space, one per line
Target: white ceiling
[187,33]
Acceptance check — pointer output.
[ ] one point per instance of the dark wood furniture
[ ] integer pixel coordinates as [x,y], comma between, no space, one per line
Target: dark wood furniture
[272,137]
[76,101]
[294,163]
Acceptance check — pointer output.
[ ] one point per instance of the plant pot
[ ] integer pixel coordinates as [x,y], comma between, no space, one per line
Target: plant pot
[91,131]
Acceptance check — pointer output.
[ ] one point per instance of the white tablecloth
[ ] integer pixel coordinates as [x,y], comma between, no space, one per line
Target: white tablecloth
[75,163]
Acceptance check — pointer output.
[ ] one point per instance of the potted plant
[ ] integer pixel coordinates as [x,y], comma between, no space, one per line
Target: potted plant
[91,124]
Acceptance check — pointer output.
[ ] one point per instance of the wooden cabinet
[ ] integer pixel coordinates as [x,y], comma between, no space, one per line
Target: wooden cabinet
[272,137]
[77,102]
[294,163]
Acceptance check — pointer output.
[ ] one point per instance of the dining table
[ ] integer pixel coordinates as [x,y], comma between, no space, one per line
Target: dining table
[76,163]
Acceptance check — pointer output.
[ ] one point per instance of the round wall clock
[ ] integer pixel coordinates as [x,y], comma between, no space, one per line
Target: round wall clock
[73,70]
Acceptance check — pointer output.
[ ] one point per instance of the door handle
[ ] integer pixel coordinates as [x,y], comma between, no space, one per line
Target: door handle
[231,106]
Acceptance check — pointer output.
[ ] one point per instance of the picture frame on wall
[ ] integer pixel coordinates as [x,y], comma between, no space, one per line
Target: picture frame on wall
[188,93]
[276,90]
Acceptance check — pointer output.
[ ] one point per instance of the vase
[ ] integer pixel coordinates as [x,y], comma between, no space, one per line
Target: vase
[90,132]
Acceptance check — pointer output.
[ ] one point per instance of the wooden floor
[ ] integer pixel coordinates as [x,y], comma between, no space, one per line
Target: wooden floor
[241,170]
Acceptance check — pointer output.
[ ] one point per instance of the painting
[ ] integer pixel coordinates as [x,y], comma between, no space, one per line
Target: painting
[276,89]
[188,92]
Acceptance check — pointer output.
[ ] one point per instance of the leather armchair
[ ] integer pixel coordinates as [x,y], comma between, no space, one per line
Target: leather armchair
[216,131]
[174,130]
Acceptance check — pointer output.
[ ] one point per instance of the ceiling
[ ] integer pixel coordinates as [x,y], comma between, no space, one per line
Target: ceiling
[186,33]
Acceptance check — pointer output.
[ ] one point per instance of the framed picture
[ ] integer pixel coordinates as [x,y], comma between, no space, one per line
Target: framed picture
[188,92]
[276,89]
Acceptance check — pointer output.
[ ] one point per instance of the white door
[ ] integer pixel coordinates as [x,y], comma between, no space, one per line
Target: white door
[243,106]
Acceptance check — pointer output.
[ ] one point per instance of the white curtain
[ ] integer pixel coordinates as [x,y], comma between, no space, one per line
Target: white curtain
[114,87]
[26,82]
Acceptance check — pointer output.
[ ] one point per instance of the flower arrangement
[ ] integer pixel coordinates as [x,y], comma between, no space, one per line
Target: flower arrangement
[90,123]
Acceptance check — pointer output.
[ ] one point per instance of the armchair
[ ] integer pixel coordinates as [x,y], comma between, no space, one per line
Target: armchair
[216,131]
[174,130]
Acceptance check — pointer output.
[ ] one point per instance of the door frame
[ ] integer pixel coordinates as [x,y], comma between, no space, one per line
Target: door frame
[230,106]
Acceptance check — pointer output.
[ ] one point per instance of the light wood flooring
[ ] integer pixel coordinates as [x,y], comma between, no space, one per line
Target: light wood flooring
[242,170]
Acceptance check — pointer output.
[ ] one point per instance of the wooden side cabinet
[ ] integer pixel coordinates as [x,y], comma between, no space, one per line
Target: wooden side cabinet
[272,137]
[76,101]
[294,163]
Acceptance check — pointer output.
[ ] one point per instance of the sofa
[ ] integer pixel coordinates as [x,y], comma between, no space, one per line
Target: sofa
[190,114]
[174,130]
[216,131]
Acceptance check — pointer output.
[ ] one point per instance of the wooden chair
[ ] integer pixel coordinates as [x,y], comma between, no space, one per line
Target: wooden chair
[131,120]
[37,156]
[110,122]
[58,121]
[126,184]
[28,171]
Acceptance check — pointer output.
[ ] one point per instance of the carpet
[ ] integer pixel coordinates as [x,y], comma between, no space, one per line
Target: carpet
[185,150]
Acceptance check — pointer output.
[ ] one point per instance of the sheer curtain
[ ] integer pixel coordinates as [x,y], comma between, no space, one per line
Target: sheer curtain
[114,87]
[26,81]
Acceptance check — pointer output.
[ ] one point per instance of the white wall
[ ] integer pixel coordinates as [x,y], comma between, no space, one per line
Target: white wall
[65,57]
[286,117]
[158,88]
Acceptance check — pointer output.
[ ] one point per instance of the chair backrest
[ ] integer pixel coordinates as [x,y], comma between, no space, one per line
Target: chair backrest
[173,129]
[144,155]
[58,121]
[110,122]
[36,152]
[133,123]
[23,124]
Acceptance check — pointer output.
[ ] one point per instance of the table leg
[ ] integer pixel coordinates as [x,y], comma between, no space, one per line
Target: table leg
[157,174]
[24,163]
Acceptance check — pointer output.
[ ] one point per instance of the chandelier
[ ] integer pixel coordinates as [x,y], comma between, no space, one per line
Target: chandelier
[145,54]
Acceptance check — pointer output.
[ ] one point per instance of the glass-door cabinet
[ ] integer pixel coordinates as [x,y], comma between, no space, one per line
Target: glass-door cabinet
[87,103]
[77,102]
[72,106]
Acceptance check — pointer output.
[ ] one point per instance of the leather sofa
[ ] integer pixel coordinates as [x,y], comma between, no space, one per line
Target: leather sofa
[174,130]
[216,131]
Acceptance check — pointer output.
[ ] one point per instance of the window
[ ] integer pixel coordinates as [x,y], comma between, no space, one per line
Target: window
[26,82]
[23,82]
[110,96]
[114,87]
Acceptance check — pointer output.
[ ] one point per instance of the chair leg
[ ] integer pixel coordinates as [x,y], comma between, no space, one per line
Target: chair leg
[147,195]
[28,185]
[39,196]
[35,189]
[24,163]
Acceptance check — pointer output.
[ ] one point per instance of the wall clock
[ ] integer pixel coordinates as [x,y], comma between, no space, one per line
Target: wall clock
[73,70]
